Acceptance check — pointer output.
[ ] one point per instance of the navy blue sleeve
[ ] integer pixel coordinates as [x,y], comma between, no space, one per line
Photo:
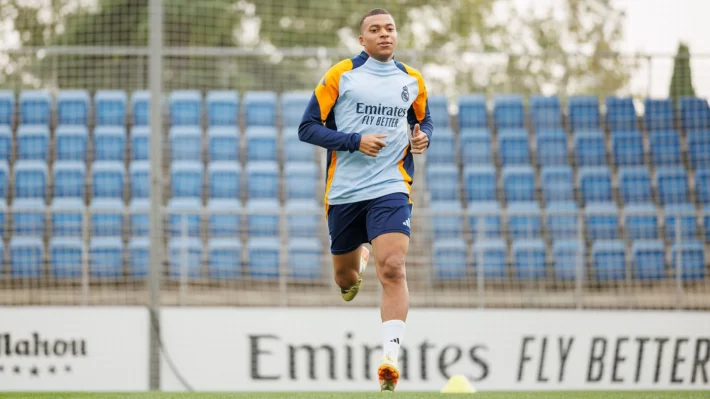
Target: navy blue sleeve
[312,131]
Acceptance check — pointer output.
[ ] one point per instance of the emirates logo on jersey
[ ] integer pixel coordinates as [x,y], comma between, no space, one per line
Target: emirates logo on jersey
[405,94]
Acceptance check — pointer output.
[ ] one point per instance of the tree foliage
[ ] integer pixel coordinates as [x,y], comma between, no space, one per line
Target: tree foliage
[682,79]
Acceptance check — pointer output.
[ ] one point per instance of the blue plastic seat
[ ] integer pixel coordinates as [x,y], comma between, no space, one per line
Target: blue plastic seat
[140,179]
[295,150]
[140,106]
[609,260]
[699,148]
[439,110]
[562,220]
[473,112]
[664,146]
[224,218]
[224,258]
[263,254]
[70,143]
[302,180]
[67,217]
[545,112]
[444,152]
[627,147]
[65,257]
[185,257]
[30,179]
[108,179]
[659,114]
[28,217]
[184,217]
[601,221]
[293,105]
[694,113]
[185,143]
[4,181]
[446,219]
[110,107]
[73,107]
[634,185]
[706,222]
[518,183]
[648,258]
[138,257]
[529,259]
[508,111]
[620,113]
[140,143]
[139,210]
[185,108]
[223,143]
[32,142]
[107,217]
[514,147]
[551,147]
[702,185]
[557,184]
[672,185]
[449,256]
[681,216]
[524,220]
[480,183]
[26,257]
[261,143]
[595,184]
[484,219]
[692,260]
[641,222]
[566,258]
[69,179]
[304,258]
[7,107]
[35,107]
[443,182]
[222,108]
[583,113]
[303,217]
[589,148]
[5,142]
[475,146]
[260,108]
[262,179]
[224,180]
[263,217]
[489,257]
[186,179]
[106,257]
[109,143]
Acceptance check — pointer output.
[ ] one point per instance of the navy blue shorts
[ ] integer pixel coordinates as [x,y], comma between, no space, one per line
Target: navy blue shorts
[351,225]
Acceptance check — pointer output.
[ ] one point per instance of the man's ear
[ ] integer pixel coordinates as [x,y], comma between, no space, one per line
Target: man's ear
[362,41]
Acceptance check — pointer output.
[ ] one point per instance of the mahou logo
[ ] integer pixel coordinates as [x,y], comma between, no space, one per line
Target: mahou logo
[38,356]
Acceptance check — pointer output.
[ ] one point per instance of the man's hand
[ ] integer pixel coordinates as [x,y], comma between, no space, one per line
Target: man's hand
[420,141]
[370,144]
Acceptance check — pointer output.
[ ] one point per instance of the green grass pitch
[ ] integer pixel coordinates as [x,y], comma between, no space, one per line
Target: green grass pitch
[363,395]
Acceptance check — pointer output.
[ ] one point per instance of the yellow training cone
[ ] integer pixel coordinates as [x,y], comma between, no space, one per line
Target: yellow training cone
[458,384]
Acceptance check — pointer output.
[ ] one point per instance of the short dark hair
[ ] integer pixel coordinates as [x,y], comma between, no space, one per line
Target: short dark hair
[374,11]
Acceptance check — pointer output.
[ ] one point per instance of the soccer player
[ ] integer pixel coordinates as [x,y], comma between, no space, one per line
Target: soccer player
[362,112]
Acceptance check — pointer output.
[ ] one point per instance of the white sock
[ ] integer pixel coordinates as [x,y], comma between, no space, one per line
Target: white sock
[393,334]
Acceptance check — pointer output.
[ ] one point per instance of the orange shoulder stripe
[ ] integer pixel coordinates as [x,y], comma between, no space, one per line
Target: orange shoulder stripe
[328,88]
[419,104]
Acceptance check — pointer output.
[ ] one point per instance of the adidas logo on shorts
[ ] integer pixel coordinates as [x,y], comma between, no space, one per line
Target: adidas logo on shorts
[406,223]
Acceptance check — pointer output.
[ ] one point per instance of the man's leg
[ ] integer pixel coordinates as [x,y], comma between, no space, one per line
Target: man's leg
[347,268]
[347,229]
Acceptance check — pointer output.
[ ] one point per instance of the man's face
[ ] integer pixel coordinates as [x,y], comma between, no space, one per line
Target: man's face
[379,36]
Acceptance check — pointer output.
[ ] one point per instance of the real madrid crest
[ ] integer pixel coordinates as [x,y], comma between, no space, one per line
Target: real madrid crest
[405,94]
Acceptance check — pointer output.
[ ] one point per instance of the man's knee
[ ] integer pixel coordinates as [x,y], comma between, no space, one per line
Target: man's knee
[346,278]
[392,269]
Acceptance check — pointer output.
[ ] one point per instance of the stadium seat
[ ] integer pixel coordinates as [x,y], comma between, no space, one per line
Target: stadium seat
[444,152]
[223,143]
[263,217]
[449,256]
[304,258]
[107,179]
[473,112]
[583,113]
[524,220]
[443,182]
[224,258]
[302,217]
[529,259]
[30,179]
[566,257]
[262,180]
[106,217]
[490,255]
[480,183]
[595,184]
[28,217]
[589,148]
[634,185]
[659,114]
[140,143]
[224,179]
[702,185]
[446,219]
[475,146]
[4,216]
[648,259]
[609,260]
[514,147]
[65,255]
[627,147]
[439,110]
[557,184]
[601,221]
[26,257]
[302,180]
[140,101]
[518,183]
[224,218]
[71,143]
[7,107]
[67,217]
[293,105]
[109,143]
[295,150]
[620,113]
[264,259]
[672,185]
[185,108]
[699,148]
[185,257]
[4,181]
[69,179]
[692,260]
[32,142]
[185,143]
[562,220]
[184,217]
[222,108]
[73,107]
[551,147]
[106,257]
[545,113]
[484,220]
[706,222]
[139,219]
[5,142]
[35,107]
[261,143]
[138,257]
[681,216]
[140,179]
[664,148]
[110,107]
[694,114]
[508,111]
[641,222]
[260,108]
[186,178]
